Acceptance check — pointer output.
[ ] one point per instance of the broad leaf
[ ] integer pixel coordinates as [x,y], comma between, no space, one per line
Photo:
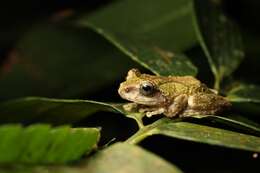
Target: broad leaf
[219,37]
[61,61]
[151,34]
[245,98]
[198,133]
[55,111]
[41,144]
[118,158]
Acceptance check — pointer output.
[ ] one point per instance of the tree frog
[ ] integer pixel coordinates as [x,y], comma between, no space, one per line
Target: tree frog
[172,96]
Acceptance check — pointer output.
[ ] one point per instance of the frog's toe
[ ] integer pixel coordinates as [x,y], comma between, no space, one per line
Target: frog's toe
[149,114]
[156,112]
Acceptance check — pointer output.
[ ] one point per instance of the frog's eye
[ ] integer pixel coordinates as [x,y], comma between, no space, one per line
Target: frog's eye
[147,88]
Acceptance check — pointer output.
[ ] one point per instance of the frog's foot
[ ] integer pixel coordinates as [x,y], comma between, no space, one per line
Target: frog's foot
[155,112]
[144,109]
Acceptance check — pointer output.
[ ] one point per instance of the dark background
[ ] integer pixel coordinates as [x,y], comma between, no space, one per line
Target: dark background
[17,17]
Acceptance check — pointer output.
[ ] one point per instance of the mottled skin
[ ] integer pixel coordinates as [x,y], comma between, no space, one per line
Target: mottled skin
[171,96]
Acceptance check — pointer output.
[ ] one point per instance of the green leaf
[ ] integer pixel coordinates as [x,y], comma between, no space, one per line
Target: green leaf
[236,121]
[198,133]
[219,38]
[245,98]
[112,159]
[61,61]
[41,144]
[55,111]
[151,33]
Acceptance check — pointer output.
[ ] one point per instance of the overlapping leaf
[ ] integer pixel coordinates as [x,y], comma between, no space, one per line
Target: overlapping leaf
[65,59]
[41,144]
[61,61]
[154,38]
[219,37]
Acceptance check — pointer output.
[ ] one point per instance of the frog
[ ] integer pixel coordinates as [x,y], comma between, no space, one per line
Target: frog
[172,96]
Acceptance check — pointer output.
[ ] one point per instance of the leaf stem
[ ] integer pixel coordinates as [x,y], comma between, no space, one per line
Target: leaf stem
[217,82]
[149,130]
[138,117]
[140,123]
[143,133]
[216,85]
[139,136]
[136,138]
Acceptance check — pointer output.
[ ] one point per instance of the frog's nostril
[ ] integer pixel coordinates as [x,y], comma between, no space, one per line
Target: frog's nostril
[127,90]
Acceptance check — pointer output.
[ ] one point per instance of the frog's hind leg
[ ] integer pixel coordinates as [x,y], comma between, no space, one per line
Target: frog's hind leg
[179,105]
[191,112]
[205,104]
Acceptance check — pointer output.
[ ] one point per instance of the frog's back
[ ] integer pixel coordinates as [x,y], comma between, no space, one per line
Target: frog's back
[186,80]
[184,85]
[175,85]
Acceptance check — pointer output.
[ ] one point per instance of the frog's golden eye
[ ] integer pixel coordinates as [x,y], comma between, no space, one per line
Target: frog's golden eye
[147,88]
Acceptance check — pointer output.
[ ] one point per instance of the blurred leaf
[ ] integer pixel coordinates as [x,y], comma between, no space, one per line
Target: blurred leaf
[151,34]
[61,61]
[245,98]
[112,159]
[138,160]
[40,144]
[245,93]
[219,37]
[55,111]
[250,68]
[198,133]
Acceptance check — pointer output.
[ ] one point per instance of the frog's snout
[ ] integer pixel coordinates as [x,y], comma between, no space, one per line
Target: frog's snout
[127,90]
[124,90]
[121,90]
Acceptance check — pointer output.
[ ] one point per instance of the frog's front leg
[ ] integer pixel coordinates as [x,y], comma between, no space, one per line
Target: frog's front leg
[178,105]
[149,111]
[155,112]
[130,107]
